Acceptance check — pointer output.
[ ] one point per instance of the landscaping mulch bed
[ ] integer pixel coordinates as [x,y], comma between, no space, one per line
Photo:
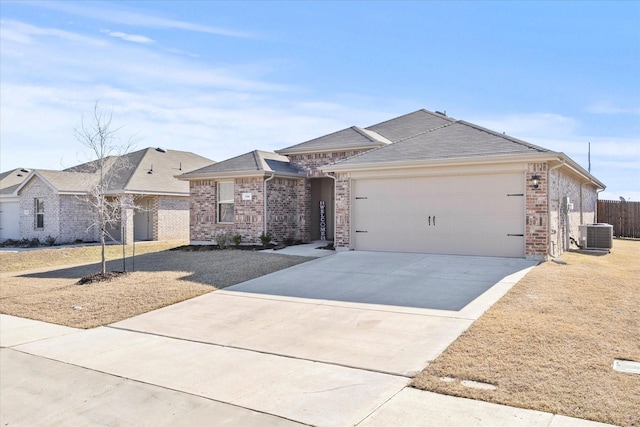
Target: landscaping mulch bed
[100,277]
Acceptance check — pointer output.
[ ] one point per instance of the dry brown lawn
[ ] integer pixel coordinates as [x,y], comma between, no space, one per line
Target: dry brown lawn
[162,278]
[550,343]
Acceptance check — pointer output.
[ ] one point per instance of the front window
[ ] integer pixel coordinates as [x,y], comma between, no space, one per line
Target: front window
[39,209]
[225,201]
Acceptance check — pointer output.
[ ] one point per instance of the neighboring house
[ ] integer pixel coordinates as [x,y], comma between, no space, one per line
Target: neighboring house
[155,205]
[422,182]
[10,203]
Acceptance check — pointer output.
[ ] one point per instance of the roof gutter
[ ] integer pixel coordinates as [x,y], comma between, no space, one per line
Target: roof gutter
[549,246]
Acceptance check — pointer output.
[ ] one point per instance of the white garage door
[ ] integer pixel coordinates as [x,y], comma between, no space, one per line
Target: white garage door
[461,215]
[9,220]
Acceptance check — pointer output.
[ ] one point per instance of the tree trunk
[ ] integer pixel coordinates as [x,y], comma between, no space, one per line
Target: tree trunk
[104,259]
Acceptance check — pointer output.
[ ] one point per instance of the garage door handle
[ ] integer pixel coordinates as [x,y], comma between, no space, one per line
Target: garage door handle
[361,231]
[515,235]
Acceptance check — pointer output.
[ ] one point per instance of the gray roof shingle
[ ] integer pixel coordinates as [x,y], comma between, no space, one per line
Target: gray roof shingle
[132,174]
[11,180]
[411,124]
[247,164]
[353,138]
[456,139]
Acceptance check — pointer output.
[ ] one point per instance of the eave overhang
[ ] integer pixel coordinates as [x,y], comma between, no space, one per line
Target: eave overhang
[239,174]
[552,157]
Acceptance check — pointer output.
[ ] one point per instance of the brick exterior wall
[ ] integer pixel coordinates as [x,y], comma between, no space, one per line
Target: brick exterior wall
[343,202]
[311,162]
[284,210]
[171,219]
[537,221]
[37,189]
[289,204]
[584,201]
[66,218]
[76,220]
[248,214]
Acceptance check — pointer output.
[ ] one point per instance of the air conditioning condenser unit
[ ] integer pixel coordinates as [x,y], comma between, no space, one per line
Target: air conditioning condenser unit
[596,236]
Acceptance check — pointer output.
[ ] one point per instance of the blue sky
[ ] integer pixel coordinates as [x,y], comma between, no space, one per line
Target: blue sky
[224,78]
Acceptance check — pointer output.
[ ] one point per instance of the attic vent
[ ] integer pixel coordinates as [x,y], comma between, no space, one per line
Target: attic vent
[24,170]
[441,113]
[161,150]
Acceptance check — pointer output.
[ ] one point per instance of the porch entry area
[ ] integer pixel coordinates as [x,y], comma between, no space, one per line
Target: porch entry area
[143,219]
[322,190]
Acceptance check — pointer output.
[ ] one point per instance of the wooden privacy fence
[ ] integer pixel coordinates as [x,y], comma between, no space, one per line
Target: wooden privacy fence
[624,216]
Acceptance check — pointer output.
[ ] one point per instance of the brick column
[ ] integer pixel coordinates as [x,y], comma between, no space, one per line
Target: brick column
[537,212]
[343,200]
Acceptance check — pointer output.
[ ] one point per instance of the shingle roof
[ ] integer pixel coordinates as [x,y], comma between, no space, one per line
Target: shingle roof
[456,139]
[10,180]
[410,125]
[353,138]
[166,164]
[131,173]
[247,164]
[68,182]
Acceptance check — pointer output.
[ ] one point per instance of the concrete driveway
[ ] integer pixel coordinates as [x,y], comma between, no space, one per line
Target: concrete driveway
[326,342]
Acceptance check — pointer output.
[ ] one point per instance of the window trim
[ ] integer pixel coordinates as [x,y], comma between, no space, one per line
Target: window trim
[38,210]
[220,202]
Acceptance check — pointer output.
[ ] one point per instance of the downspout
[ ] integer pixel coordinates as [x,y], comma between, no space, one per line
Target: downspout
[266,228]
[334,206]
[597,198]
[551,251]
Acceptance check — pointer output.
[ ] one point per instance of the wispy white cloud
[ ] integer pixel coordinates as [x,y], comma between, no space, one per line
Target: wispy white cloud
[135,38]
[606,107]
[20,32]
[138,19]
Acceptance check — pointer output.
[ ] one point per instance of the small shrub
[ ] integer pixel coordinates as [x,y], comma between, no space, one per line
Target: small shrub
[34,243]
[223,240]
[265,238]
[10,243]
[289,241]
[237,238]
[50,240]
[78,241]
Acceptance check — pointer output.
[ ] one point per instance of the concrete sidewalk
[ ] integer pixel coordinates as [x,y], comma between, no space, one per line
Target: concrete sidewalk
[106,376]
[331,342]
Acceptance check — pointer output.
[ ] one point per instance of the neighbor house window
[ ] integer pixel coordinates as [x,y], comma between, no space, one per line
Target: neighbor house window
[225,201]
[39,210]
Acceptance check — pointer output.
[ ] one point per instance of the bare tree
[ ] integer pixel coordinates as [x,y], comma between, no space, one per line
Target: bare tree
[105,172]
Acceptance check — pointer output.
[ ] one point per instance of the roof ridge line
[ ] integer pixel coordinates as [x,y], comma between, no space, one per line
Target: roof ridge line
[135,169]
[427,131]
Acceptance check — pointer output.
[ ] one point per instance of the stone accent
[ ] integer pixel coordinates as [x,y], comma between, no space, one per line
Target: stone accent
[537,221]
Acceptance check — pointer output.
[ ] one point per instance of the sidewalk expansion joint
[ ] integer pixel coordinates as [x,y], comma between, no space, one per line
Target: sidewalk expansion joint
[376,371]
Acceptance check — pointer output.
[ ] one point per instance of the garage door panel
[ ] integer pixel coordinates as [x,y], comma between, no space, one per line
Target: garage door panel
[466,215]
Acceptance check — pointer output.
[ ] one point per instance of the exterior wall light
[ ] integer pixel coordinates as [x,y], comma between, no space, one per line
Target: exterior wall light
[535,180]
